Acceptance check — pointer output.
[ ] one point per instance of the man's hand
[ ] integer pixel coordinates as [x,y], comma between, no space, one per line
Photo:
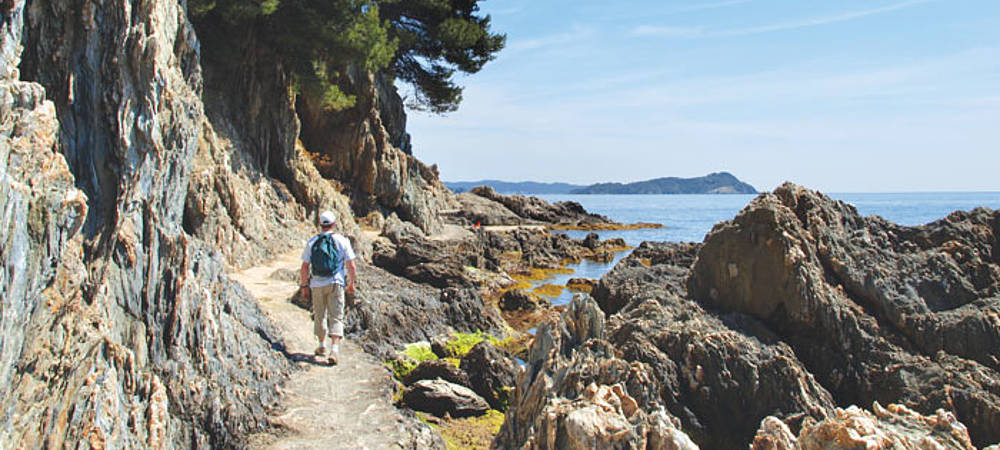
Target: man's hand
[352,275]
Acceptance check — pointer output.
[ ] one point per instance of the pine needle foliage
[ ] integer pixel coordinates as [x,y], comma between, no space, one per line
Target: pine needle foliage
[421,42]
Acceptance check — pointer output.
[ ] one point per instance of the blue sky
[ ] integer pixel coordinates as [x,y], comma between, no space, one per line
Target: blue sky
[842,96]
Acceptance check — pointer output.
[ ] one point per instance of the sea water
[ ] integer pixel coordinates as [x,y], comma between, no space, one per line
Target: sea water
[690,217]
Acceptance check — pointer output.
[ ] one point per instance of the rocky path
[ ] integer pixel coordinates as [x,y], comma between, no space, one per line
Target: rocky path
[343,406]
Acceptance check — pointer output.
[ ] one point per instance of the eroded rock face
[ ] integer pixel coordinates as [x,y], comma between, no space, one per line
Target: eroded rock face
[652,271]
[139,340]
[877,311]
[361,149]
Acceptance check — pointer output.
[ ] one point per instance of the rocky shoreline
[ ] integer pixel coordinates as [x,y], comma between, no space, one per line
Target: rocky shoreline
[141,170]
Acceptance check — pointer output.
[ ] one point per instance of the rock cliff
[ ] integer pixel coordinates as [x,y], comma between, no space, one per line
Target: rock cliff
[127,334]
[139,162]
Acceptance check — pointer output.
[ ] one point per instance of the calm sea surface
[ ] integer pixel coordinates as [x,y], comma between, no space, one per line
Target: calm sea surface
[690,217]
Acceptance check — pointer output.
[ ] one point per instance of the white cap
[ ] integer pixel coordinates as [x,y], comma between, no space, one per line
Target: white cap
[327,218]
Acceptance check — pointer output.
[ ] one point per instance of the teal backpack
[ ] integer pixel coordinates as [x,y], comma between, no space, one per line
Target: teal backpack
[325,258]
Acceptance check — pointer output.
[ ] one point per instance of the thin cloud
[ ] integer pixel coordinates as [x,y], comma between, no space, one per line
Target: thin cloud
[568,37]
[649,30]
[667,31]
[843,17]
[709,6]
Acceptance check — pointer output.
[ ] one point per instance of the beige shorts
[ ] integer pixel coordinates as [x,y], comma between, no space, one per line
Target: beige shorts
[328,310]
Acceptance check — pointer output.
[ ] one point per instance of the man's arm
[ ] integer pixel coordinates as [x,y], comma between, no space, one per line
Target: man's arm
[304,276]
[352,275]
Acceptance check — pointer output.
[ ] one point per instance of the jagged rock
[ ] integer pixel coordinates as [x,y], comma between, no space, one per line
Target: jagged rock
[493,373]
[574,394]
[894,427]
[140,340]
[440,397]
[695,366]
[534,208]
[517,300]
[877,311]
[591,241]
[653,270]
[438,369]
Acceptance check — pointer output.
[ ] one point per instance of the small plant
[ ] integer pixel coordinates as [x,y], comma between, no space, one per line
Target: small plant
[461,343]
[412,356]
[420,351]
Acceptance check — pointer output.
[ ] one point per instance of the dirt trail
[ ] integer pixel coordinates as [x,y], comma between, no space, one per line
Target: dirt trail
[343,406]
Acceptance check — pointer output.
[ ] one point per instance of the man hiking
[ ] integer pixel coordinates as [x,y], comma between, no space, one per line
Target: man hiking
[323,276]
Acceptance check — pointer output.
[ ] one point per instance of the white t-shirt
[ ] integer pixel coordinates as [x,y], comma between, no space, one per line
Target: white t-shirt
[346,254]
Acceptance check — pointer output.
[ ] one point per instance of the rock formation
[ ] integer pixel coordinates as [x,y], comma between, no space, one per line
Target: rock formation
[797,306]
[876,311]
[127,334]
[540,211]
[139,163]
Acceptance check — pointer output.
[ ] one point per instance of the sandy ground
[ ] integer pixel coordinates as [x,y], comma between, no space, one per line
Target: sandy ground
[347,406]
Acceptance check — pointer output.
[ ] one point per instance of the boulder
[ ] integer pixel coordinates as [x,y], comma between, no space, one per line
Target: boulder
[442,398]
[438,369]
[493,373]
[652,271]
[591,241]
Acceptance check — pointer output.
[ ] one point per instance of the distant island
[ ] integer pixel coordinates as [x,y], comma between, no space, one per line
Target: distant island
[715,183]
[514,187]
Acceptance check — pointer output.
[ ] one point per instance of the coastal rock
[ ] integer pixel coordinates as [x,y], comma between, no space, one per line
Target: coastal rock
[438,369]
[689,363]
[138,339]
[575,394]
[652,271]
[493,373]
[893,427]
[474,209]
[584,285]
[442,398]
[877,311]
[392,311]
[534,208]
[519,300]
